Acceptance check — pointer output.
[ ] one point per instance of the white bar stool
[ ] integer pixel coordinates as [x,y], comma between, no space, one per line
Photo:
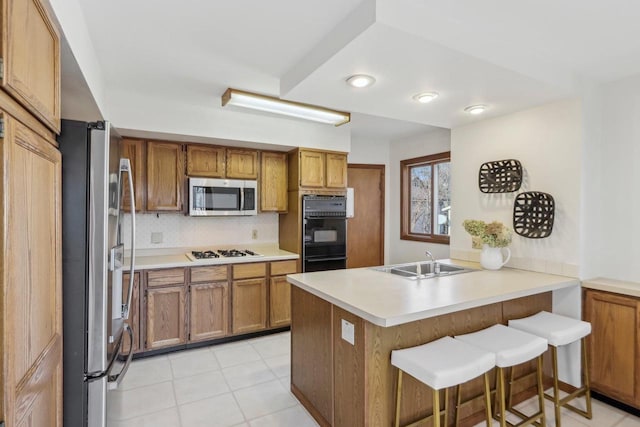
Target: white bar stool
[511,347]
[442,364]
[558,331]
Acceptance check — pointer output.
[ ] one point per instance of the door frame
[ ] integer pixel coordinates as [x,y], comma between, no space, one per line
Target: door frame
[383,194]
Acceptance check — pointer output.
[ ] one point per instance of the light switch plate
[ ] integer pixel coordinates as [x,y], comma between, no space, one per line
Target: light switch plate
[156,237]
[348,332]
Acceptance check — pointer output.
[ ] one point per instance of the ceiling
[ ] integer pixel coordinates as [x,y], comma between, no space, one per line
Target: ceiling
[507,55]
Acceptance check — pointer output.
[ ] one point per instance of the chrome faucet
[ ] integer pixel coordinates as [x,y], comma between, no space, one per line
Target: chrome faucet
[436,266]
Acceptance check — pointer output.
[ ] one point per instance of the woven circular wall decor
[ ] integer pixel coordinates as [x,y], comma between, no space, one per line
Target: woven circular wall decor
[533,213]
[500,176]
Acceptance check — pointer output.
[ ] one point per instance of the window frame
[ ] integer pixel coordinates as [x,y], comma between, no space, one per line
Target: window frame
[405,193]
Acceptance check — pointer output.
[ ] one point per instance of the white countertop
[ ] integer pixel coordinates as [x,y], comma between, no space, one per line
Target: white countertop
[615,286]
[387,300]
[149,259]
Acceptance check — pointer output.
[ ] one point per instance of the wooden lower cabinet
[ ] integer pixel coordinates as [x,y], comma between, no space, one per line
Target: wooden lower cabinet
[30,274]
[249,305]
[134,311]
[279,302]
[613,345]
[209,315]
[165,317]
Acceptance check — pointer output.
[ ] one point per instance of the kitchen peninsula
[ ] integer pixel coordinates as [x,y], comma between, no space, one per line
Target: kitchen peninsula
[345,323]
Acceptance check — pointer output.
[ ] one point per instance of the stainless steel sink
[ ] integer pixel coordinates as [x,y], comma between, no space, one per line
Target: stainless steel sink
[422,270]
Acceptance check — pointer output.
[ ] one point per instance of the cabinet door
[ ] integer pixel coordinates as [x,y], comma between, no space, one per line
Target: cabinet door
[31,276]
[165,317]
[311,169]
[273,182]
[209,311]
[134,150]
[242,164]
[279,302]
[336,170]
[613,345]
[134,311]
[249,305]
[205,161]
[165,176]
[31,59]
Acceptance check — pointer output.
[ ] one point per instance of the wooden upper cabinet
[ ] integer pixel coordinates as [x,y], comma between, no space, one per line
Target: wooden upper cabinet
[273,182]
[336,176]
[134,149]
[205,161]
[613,346]
[242,164]
[165,176]
[31,59]
[311,168]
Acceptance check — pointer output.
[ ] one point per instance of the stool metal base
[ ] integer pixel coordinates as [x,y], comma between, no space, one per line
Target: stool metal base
[537,419]
[585,390]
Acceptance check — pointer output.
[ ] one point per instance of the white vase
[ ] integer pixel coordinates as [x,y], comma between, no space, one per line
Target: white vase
[492,258]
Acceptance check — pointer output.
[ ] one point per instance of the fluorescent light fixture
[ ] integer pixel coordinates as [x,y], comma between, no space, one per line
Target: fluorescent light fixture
[475,109]
[360,80]
[426,97]
[274,105]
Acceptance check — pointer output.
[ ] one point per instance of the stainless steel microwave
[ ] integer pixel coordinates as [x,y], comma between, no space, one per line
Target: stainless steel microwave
[220,197]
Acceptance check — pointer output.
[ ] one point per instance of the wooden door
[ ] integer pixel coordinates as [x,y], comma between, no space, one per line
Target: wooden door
[134,149]
[165,176]
[31,268]
[209,311]
[613,345]
[134,312]
[166,324]
[273,182]
[365,231]
[336,170]
[311,168]
[205,161]
[242,164]
[249,305]
[279,302]
[31,59]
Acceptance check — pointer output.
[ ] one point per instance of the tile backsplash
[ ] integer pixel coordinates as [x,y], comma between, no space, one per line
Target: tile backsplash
[185,231]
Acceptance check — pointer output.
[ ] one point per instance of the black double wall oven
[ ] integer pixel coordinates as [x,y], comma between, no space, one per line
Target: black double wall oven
[324,234]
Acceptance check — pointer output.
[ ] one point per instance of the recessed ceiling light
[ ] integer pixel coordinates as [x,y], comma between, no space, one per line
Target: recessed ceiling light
[425,97]
[475,109]
[361,80]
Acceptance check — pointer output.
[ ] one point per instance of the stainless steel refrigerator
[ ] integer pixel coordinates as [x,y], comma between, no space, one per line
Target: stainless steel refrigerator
[95,311]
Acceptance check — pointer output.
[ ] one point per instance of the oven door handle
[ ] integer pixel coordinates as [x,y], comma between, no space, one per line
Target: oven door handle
[326,259]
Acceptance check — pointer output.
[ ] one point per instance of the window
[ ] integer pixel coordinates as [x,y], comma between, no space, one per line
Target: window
[425,200]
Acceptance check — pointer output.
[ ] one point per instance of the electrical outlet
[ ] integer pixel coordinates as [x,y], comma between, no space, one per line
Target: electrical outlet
[348,332]
[254,234]
[156,237]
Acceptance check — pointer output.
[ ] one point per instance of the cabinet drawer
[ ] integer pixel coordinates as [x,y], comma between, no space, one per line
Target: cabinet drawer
[245,271]
[169,276]
[283,267]
[209,274]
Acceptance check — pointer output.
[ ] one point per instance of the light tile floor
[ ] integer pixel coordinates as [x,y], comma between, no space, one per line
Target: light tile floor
[246,383]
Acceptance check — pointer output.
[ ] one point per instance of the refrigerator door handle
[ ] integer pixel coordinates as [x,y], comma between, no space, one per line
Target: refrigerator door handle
[92,376]
[117,378]
[125,166]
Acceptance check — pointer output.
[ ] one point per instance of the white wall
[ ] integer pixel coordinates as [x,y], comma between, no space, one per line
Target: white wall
[185,231]
[369,150]
[436,141]
[613,239]
[547,140]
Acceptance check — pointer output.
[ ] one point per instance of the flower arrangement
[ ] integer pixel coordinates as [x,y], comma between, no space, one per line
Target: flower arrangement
[494,234]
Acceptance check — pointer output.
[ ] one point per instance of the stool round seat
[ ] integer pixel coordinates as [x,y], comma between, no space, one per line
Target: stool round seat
[556,329]
[443,363]
[511,346]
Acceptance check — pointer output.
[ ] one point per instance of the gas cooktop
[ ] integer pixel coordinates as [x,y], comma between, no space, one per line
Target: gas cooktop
[221,253]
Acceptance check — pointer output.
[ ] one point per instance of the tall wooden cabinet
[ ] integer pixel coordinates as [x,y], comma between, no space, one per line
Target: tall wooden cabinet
[614,345]
[30,208]
[134,150]
[273,182]
[165,176]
